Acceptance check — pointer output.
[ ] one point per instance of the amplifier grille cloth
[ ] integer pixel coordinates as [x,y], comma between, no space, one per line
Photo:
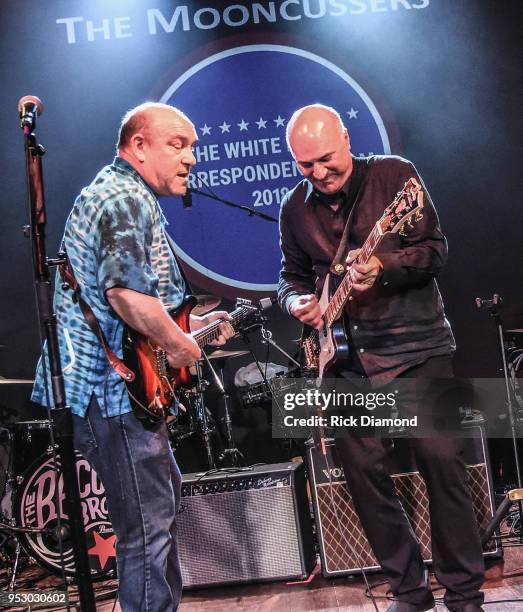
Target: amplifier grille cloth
[240,535]
[344,541]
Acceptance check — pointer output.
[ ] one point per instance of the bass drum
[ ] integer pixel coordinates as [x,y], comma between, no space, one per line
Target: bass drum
[36,506]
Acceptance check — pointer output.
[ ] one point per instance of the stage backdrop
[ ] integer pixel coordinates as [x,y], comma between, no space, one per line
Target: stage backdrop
[437,81]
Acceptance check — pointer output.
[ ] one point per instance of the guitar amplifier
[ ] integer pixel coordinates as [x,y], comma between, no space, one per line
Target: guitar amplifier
[246,526]
[344,548]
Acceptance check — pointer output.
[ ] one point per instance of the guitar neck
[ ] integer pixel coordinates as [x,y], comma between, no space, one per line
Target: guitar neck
[407,205]
[211,332]
[343,292]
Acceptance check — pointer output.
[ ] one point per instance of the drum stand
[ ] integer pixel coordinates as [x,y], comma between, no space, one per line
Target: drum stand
[201,416]
[8,529]
[267,338]
[5,527]
[231,455]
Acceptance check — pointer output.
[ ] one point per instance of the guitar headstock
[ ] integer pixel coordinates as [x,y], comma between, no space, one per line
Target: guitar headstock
[407,207]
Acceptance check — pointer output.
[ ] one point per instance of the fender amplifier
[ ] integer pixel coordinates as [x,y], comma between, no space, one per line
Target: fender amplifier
[245,526]
[344,548]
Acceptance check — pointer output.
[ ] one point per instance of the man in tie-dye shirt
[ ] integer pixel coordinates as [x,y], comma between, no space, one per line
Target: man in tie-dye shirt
[116,243]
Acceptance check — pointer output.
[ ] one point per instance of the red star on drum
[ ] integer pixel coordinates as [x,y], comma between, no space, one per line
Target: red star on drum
[104,548]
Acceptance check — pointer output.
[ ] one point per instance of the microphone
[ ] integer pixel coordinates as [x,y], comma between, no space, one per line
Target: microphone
[187,198]
[29,108]
[267,302]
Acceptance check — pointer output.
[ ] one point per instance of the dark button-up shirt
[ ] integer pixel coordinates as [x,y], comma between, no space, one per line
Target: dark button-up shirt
[400,321]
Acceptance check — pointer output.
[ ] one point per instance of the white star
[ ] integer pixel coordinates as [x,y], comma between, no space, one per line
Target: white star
[244,126]
[279,121]
[353,114]
[224,127]
[206,130]
[261,123]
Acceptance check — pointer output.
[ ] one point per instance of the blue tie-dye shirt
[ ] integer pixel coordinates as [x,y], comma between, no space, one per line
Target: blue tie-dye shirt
[114,237]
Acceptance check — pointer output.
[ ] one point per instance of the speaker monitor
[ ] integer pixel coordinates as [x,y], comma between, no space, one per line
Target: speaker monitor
[245,526]
[344,548]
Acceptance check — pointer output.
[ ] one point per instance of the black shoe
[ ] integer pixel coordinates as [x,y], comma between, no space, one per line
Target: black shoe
[405,606]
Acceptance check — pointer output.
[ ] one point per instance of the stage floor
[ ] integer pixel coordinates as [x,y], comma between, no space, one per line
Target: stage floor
[504,581]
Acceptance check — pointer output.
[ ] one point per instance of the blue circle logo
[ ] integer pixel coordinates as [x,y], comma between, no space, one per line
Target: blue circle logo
[240,101]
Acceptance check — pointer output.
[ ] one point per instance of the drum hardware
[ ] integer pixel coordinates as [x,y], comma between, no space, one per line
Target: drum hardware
[187,423]
[231,455]
[29,439]
[219,354]
[205,304]
[26,442]
[202,419]
[255,394]
[514,350]
[290,375]
[494,307]
[194,418]
[17,552]
[182,425]
[43,528]
[267,339]
[29,503]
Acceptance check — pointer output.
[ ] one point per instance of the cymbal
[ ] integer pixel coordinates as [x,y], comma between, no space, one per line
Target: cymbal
[16,381]
[514,331]
[226,354]
[205,303]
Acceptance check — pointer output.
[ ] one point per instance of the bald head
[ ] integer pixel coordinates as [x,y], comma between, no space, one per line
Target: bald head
[157,140]
[310,121]
[137,119]
[320,145]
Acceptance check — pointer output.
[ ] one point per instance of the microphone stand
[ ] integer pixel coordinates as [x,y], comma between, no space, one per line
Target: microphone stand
[248,210]
[61,414]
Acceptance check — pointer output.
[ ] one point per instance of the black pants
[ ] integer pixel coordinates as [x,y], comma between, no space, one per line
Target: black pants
[456,549]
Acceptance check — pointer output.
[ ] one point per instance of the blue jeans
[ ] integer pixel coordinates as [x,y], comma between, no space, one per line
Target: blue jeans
[143,486]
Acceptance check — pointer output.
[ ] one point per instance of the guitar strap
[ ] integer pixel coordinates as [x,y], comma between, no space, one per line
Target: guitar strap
[357,182]
[67,275]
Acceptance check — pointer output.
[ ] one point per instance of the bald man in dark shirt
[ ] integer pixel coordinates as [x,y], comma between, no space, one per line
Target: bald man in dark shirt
[397,329]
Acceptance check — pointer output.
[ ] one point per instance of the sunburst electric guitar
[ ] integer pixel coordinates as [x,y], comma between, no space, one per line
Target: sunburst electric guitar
[152,392]
[325,348]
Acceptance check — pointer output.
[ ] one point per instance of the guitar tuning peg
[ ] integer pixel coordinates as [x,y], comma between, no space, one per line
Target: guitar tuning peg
[403,230]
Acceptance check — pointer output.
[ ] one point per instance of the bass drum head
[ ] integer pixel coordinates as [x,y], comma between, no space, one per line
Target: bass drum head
[35,506]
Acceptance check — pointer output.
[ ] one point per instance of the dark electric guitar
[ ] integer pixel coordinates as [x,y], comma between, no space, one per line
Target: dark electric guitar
[323,349]
[153,389]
